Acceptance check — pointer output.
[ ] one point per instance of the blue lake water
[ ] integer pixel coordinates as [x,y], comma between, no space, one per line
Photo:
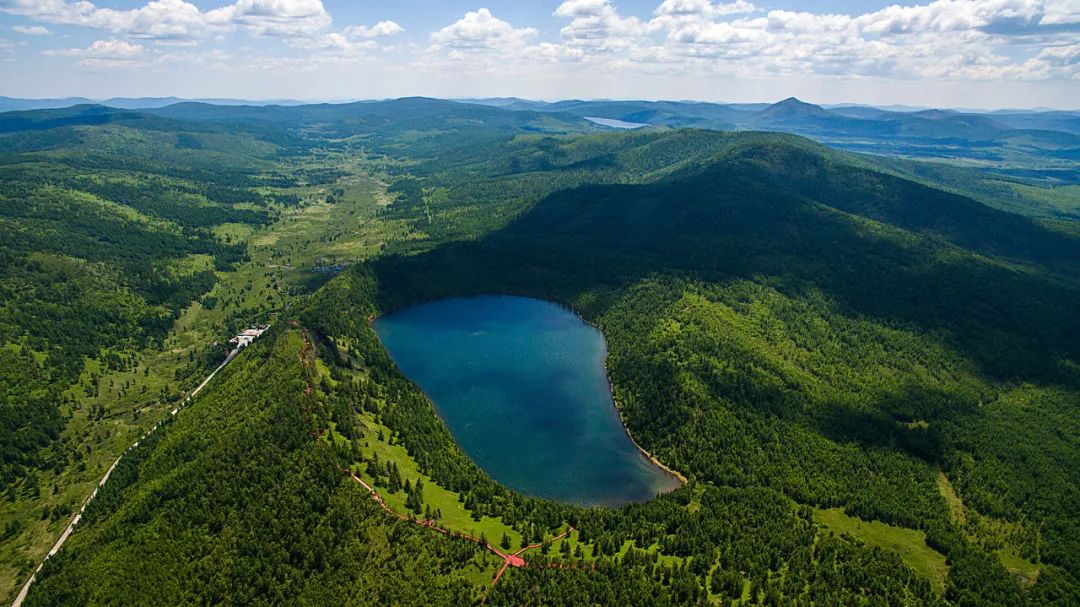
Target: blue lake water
[615,123]
[521,385]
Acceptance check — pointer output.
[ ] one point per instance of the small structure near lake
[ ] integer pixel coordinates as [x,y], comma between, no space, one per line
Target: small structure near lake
[247,336]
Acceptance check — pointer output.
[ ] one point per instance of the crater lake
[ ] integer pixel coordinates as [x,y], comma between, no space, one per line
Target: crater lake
[521,385]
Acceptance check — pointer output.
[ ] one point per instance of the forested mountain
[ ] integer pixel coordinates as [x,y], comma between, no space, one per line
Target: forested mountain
[1032,144]
[113,225]
[728,256]
[866,368]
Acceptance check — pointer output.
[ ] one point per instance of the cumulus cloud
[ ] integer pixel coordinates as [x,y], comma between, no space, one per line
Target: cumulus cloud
[179,20]
[962,39]
[952,39]
[159,19]
[480,30]
[949,39]
[379,30]
[597,24]
[279,18]
[1061,12]
[109,54]
[702,8]
[111,48]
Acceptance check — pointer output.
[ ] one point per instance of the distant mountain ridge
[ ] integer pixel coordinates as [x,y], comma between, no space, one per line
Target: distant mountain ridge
[13,104]
[1039,145]
[8,103]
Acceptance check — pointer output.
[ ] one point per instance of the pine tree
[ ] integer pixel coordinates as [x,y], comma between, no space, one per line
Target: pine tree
[393,485]
[418,495]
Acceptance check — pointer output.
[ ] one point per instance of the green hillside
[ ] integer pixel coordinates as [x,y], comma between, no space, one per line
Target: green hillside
[236,503]
[866,369]
[831,335]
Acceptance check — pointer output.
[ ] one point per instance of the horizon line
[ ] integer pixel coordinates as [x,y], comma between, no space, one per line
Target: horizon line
[346,100]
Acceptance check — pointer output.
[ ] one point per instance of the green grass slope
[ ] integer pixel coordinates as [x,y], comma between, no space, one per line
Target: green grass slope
[239,502]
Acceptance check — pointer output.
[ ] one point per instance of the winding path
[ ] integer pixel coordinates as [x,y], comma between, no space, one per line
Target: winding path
[509,560]
[78,515]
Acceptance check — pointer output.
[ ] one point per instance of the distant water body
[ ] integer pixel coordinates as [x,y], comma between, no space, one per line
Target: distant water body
[615,124]
[521,385]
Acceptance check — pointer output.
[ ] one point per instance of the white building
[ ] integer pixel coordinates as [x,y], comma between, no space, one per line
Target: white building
[247,336]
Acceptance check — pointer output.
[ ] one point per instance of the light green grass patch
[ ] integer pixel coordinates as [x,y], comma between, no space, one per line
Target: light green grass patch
[956,506]
[985,530]
[1026,571]
[454,515]
[909,544]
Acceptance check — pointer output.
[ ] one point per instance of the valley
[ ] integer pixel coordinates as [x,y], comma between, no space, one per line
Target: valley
[111,407]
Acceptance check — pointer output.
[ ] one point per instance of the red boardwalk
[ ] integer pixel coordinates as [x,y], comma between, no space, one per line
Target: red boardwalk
[509,560]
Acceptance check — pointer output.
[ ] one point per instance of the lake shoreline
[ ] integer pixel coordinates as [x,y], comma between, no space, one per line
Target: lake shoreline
[622,418]
[670,472]
[615,402]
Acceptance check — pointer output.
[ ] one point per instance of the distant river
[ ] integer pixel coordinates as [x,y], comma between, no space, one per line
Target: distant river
[520,383]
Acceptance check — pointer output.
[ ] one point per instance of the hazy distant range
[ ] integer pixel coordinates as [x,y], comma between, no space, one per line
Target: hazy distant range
[8,104]
[1032,144]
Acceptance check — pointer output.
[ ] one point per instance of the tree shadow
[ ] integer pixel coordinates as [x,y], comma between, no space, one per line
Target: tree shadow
[599,240]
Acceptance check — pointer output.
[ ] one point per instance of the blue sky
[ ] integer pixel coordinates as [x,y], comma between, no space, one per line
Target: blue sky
[955,53]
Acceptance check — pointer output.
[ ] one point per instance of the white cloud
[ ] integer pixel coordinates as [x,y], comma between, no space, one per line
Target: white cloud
[480,30]
[941,39]
[31,30]
[959,39]
[597,24]
[179,20]
[1062,12]
[702,8]
[583,8]
[354,40]
[111,48]
[278,18]
[380,29]
[935,39]
[159,19]
[105,55]
[954,15]
[1062,55]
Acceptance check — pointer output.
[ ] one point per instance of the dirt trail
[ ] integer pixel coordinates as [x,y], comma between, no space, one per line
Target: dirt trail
[305,355]
[78,515]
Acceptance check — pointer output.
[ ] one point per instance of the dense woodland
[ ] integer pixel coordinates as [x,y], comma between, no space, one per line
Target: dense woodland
[791,327]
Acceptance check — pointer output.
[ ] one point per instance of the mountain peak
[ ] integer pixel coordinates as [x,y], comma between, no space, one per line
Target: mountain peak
[792,107]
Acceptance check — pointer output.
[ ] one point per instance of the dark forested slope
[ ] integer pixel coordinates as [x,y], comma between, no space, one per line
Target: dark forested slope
[777,317]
